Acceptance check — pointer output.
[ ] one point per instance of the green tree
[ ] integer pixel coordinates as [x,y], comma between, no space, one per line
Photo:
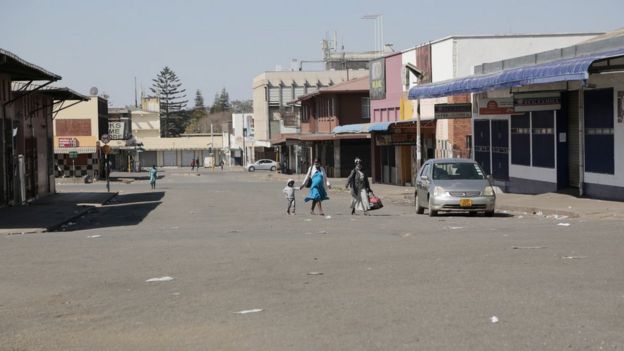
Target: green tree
[199,112]
[168,87]
[242,106]
[221,102]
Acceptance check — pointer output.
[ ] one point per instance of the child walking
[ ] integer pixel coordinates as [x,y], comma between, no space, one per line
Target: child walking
[289,191]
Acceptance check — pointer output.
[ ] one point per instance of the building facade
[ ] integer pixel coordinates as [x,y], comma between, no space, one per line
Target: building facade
[26,166]
[77,138]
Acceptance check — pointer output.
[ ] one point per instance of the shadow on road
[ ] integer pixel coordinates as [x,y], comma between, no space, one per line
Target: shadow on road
[123,210]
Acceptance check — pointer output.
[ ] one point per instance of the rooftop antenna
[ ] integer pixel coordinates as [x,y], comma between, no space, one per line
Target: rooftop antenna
[136,102]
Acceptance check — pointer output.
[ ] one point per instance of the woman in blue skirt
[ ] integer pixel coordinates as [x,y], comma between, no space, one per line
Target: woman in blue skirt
[318,186]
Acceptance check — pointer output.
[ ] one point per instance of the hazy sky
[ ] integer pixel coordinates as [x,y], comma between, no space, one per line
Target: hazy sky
[218,43]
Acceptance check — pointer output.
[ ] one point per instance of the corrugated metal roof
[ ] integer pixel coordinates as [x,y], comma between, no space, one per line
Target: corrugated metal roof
[20,69]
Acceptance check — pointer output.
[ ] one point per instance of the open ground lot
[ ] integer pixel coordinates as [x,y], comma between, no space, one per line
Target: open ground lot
[391,281]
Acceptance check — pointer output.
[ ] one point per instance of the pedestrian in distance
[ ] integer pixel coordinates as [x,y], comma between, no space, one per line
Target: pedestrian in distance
[197,164]
[316,180]
[153,174]
[360,188]
[193,165]
[289,192]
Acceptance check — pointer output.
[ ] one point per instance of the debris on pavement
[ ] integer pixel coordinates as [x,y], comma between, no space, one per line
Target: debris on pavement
[573,257]
[255,310]
[327,217]
[159,279]
[528,247]
[453,228]
[315,273]
[557,217]
[94,236]
[308,220]
[494,319]
[563,224]
[323,232]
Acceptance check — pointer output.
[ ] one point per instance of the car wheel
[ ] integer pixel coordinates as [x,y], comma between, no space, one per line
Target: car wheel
[489,213]
[273,169]
[432,213]
[419,209]
[252,169]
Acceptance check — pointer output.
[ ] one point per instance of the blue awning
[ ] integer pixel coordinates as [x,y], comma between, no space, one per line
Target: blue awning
[362,128]
[379,127]
[549,72]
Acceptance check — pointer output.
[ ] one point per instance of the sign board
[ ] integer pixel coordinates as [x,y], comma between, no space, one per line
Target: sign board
[105,138]
[451,111]
[496,106]
[395,139]
[73,154]
[67,142]
[378,79]
[116,130]
[537,102]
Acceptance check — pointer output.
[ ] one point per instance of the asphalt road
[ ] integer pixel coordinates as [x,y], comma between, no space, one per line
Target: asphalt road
[391,281]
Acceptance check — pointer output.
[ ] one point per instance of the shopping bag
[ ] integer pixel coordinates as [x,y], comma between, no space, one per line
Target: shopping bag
[374,202]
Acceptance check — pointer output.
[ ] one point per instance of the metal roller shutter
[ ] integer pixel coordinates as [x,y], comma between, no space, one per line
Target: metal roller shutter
[187,158]
[573,139]
[148,158]
[169,158]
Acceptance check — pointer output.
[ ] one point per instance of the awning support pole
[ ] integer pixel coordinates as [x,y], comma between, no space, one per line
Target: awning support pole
[581,117]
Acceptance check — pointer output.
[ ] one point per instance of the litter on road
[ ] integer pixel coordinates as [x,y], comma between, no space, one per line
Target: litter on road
[327,217]
[94,236]
[255,310]
[494,319]
[315,273]
[563,224]
[159,279]
[573,257]
[323,232]
[308,220]
[528,247]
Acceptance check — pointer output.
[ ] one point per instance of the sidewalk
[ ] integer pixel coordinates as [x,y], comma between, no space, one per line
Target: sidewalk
[541,204]
[50,212]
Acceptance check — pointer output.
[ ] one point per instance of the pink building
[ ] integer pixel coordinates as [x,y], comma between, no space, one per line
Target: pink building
[386,83]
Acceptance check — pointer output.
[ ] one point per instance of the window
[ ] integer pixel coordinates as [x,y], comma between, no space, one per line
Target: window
[457,171]
[543,138]
[365,107]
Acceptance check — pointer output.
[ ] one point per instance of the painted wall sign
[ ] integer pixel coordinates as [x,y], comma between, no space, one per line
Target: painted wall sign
[451,111]
[116,130]
[67,142]
[378,79]
[496,106]
[537,102]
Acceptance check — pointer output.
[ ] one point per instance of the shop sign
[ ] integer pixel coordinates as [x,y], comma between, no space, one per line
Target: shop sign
[68,142]
[116,130]
[73,154]
[537,102]
[452,111]
[378,79]
[395,139]
[496,106]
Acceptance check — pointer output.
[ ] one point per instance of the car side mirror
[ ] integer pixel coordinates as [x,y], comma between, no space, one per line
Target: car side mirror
[489,178]
[424,178]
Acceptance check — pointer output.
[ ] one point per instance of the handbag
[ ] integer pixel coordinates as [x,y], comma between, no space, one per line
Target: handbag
[374,202]
[308,183]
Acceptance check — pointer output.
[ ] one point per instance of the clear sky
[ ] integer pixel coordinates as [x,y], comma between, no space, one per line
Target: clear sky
[213,44]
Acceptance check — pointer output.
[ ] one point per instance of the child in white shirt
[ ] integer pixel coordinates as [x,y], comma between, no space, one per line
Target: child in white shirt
[289,191]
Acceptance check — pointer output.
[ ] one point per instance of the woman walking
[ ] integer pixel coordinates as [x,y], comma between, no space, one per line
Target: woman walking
[317,178]
[153,174]
[358,182]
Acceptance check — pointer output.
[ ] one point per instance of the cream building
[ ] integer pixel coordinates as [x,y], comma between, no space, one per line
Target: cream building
[171,152]
[78,128]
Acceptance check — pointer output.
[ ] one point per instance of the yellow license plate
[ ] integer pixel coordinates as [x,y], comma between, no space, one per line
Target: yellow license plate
[465,202]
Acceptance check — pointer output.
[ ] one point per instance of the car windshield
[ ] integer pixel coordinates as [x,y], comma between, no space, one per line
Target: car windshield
[457,170]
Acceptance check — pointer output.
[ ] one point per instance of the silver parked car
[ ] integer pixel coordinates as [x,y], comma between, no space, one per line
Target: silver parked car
[453,185]
[268,165]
